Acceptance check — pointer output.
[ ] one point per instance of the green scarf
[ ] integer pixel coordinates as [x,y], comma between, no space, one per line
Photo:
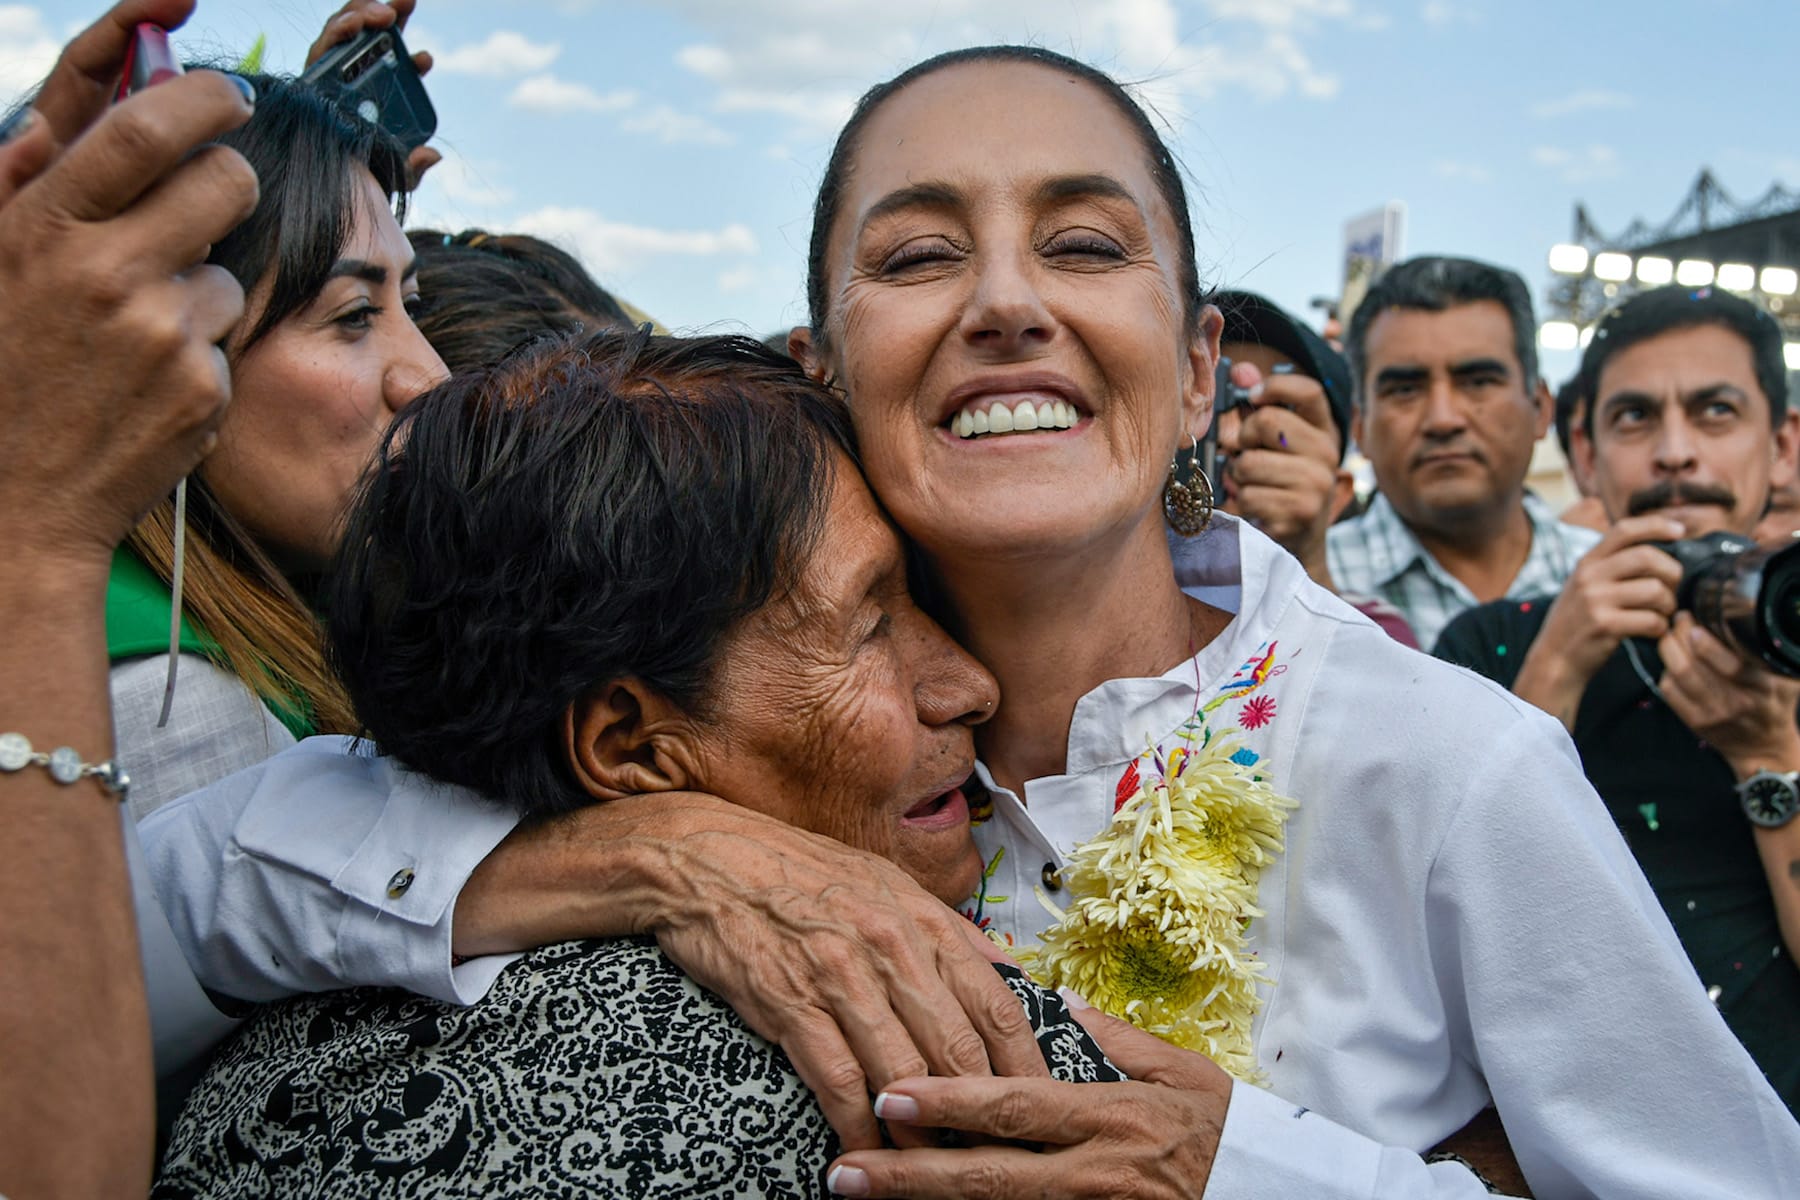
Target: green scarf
[137,625]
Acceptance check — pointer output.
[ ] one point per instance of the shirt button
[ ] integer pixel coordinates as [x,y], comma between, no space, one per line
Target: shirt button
[403,879]
[1052,877]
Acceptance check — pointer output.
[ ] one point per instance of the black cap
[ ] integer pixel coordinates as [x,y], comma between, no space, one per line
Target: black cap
[1251,318]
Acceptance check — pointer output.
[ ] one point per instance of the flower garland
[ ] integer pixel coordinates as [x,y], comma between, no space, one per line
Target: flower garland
[1161,899]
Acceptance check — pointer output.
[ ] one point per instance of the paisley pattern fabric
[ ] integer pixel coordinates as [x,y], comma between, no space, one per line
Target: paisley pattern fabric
[593,1068]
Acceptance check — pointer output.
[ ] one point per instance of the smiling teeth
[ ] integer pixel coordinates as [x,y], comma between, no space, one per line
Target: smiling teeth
[1023,417]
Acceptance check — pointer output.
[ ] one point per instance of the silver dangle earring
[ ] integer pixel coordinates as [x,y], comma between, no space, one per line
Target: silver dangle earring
[1188,504]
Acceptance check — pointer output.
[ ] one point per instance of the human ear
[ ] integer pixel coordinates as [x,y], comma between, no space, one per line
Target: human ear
[1343,491]
[1546,408]
[811,357]
[1582,456]
[623,739]
[1203,355]
[1786,450]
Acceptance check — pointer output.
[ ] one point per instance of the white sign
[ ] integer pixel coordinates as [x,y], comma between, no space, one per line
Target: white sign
[1371,242]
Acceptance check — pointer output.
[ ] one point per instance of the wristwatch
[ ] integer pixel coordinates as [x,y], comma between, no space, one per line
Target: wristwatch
[1770,799]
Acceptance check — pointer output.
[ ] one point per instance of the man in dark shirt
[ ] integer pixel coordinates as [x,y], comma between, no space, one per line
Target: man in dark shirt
[1686,431]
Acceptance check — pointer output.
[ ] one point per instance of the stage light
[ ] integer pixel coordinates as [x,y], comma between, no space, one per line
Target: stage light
[1791,352]
[1737,277]
[1780,281]
[1568,260]
[1694,272]
[1612,266]
[1655,271]
[1558,335]
[1587,335]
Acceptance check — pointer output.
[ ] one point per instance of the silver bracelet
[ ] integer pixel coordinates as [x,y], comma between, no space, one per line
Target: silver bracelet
[65,766]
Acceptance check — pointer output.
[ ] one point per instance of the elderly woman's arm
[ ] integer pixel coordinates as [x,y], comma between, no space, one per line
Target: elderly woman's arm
[834,954]
[321,869]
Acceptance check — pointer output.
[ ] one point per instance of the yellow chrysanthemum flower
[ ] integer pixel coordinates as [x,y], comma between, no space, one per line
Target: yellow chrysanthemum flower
[1160,901]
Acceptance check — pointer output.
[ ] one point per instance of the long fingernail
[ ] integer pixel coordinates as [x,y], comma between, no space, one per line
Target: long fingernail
[18,125]
[244,86]
[1073,999]
[890,1107]
[847,1181]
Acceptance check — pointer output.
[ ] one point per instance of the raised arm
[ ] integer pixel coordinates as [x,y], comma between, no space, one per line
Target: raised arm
[112,389]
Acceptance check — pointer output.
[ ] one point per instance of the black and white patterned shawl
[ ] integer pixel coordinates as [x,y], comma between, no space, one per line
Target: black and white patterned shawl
[592,1068]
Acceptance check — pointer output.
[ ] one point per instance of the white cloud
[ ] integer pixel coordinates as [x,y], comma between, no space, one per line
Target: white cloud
[1465,171]
[671,126]
[503,53]
[547,93]
[28,49]
[738,279]
[1578,166]
[610,247]
[808,60]
[1586,100]
[1440,13]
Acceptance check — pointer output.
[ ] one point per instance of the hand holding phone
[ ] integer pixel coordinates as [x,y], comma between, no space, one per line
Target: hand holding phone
[375,77]
[149,60]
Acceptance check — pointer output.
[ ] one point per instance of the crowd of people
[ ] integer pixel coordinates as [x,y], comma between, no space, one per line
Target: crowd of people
[556,757]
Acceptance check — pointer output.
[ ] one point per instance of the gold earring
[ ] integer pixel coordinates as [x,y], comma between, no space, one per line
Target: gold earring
[1188,506]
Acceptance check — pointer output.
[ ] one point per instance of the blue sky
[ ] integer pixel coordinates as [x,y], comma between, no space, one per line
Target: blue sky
[675,146]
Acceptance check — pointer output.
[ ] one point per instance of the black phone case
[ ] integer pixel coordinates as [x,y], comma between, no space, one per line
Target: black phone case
[373,76]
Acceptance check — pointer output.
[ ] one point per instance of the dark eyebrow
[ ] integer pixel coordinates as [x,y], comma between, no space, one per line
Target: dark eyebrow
[918,195]
[1618,400]
[1083,187]
[1479,366]
[1715,391]
[1390,375]
[375,273]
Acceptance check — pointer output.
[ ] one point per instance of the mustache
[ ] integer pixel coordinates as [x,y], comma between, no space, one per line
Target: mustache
[1669,493]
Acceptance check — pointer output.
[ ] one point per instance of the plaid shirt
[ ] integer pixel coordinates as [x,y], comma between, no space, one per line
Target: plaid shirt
[1377,555]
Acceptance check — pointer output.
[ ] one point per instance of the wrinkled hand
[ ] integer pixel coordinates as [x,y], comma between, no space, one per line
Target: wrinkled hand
[1621,588]
[1155,1137]
[842,960]
[352,19]
[1744,710]
[1286,467]
[113,382]
[835,955]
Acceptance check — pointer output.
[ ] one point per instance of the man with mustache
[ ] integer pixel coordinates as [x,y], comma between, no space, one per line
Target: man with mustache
[1448,408]
[1685,431]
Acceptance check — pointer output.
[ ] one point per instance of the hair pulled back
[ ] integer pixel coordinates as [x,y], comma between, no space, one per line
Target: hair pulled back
[1163,168]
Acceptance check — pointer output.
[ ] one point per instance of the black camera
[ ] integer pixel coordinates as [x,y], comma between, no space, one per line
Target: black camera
[373,76]
[1747,595]
[1226,397]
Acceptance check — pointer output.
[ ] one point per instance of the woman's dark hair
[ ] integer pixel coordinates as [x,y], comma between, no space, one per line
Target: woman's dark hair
[482,295]
[1657,311]
[307,152]
[306,149]
[592,509]
[1432,284]
[1163,168]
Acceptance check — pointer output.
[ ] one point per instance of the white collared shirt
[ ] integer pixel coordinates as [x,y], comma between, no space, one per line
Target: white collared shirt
[1455,921]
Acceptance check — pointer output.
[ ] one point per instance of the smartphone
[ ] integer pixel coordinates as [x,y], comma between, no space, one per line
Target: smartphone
[373,75]
[149,60]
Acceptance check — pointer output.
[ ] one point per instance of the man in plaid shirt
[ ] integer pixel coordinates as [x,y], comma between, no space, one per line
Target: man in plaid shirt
[1448,407]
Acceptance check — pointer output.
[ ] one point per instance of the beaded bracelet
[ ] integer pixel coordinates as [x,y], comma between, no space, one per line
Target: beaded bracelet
[65,766]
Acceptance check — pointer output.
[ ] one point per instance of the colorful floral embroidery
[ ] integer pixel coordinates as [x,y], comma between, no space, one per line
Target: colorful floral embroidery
[977,912]
[1257,712]
[1161,901]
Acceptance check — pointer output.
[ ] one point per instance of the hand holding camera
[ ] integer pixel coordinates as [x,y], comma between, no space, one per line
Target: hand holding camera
[1280,459]
[1624,587]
